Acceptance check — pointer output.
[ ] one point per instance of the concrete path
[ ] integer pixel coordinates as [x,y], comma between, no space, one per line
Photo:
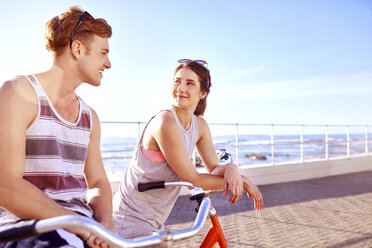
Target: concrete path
[333,212]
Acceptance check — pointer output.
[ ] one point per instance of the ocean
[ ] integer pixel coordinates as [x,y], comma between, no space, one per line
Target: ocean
[254,150]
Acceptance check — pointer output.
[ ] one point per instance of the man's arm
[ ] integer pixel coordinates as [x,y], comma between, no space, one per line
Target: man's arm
[99,193]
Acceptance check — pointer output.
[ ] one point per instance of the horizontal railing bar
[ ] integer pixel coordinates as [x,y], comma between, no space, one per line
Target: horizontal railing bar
[121,150]
[124,122]
[289,125]
[117,157]
[274,141]
[250,124]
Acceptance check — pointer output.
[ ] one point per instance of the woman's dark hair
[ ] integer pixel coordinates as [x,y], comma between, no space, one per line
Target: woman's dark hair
[204,79]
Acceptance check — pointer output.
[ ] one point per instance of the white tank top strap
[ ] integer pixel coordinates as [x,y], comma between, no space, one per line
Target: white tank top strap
[36,85]
[43,99]
[190,135]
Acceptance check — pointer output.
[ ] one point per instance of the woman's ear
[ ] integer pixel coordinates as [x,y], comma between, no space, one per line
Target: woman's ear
[203,94]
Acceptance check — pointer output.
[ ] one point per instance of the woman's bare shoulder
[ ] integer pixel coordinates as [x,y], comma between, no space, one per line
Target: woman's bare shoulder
[202,123]
[164,118]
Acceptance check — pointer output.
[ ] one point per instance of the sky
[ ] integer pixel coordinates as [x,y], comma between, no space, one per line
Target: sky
[282,62]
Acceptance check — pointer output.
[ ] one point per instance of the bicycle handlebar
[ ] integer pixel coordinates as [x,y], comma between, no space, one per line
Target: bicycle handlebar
[36,227]
[18,231]
[151,185]
[162,184]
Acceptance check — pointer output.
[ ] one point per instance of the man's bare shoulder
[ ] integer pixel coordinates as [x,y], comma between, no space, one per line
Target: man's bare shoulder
[95,120]
[17,90]
[94,114]
[18,101]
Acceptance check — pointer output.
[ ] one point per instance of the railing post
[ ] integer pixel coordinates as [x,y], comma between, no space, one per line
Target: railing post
[348,141]
[366,140]
[237,144]
[194,157]
[326,142]
[272,144]
[139,130]
[302,143]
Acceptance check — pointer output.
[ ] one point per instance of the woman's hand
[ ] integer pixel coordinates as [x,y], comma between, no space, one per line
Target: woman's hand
[253,192]
[233,182]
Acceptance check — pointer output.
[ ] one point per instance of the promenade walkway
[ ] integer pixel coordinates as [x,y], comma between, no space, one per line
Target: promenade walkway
[333,212]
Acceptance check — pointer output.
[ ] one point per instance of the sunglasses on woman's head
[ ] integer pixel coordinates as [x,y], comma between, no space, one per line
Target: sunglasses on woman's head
[199,61]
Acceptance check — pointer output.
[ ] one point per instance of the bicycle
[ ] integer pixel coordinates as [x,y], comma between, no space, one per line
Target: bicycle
[162,238]
[215,233]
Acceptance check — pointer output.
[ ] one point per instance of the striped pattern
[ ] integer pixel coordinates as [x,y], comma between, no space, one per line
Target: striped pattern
[56,152]
[56,183]
[39,147]
[47,113]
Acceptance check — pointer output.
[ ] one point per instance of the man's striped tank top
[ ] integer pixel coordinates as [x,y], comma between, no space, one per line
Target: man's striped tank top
[56,152]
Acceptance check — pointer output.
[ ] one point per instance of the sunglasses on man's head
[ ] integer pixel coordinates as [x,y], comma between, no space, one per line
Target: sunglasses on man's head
[77,25]
[199,61]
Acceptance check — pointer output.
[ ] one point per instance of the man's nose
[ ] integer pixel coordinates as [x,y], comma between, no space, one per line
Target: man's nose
[108,63]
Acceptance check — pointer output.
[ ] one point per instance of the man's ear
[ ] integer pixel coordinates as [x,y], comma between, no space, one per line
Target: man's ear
[77,48]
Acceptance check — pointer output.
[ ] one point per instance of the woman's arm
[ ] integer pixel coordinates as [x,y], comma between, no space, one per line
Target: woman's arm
[233,179]
[253,192]
[164,129]
[230,172]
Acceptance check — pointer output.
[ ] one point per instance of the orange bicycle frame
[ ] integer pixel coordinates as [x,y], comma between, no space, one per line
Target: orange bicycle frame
[214,235]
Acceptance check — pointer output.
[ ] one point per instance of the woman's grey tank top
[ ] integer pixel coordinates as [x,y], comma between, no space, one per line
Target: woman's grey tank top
[141,213]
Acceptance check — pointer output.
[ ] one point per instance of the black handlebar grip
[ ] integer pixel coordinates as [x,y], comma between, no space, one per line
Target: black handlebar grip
[22,230]
[151,185]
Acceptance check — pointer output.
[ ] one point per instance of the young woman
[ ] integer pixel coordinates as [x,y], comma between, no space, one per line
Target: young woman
[164,154]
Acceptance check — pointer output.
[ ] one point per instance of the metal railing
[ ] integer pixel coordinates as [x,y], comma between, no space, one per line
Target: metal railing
[276,132]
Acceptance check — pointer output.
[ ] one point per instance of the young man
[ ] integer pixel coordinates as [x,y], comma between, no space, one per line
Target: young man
[50,138]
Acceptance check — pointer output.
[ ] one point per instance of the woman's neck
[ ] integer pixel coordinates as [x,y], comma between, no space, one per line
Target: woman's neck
[184,117]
